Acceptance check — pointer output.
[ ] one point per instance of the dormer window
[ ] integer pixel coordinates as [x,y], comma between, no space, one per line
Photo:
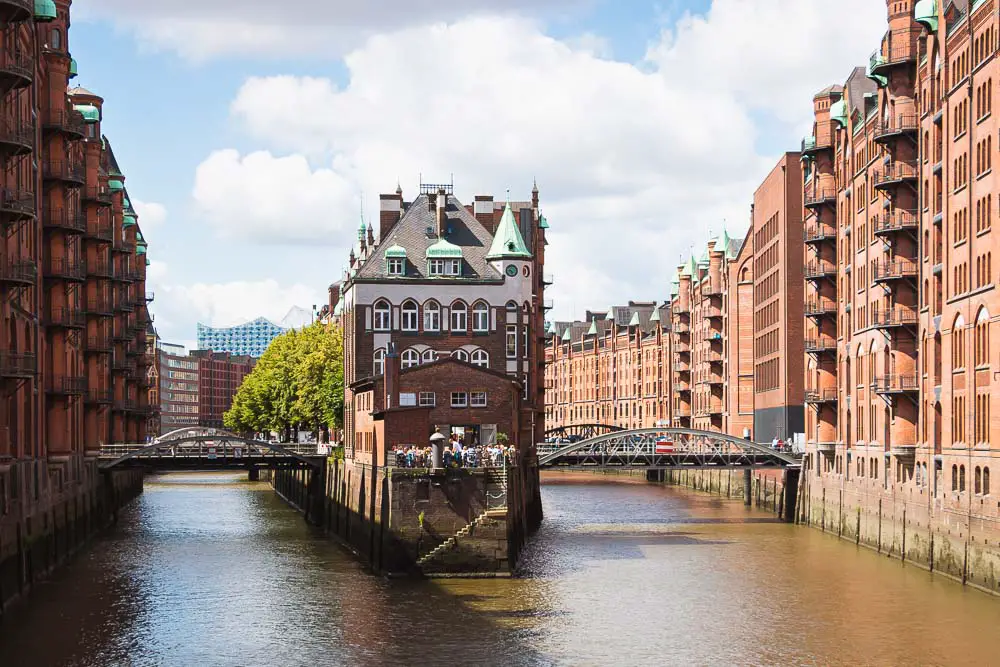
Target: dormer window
[395,266]
[453,267]
[435,267]
[444,259]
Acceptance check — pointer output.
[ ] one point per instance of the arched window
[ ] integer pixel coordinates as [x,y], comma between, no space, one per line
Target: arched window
[978,481]
[432,316]
[55,39]
[379,367]
[982,343]
[461,355]
[383,316]
[410,358]
[459,317]
[986,481]
[958,343]
[481,358]
[428,356]
[954,478]
[411,314]
[961,479]
[480,317]
[511,308]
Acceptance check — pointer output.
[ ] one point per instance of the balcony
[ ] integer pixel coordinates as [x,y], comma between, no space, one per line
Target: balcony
[679,308]
[121,364]
[121,244]
[75,175]
[17,68]
[906,452]
[895,221]
[713,357]
[896,384]
[896,173]
[145,359]
[124,406]
[100,232]
[713,409]
[100,268]
[813,145]
[18,272]
[98,194]
[817,270]
[682,348]
[121,334]
[65,269]
[818,233]
[903,125]
[547,304]
[17,365]
[547,279]
[682,412]
[16,205]
[712,313]
[682,386]
[822,345]
[820,197]
[67,385]
[714,380]
[713,336]
[66,318]
[98,344]
[820,396]
[708,291]
[897,269]
[72,222]
[893,318]
[899,49]
[16,138]
[682,367]
[100,397]
[102,307]
[65,122]
[820,307]
[125,304]
[15,11]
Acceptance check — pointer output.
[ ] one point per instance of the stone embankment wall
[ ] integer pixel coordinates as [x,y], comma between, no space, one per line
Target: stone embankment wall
[943,534]
[392,517]
[48,513]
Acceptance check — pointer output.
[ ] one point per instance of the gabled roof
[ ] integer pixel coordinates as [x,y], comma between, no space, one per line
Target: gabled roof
[508,242]
[411,234]
[858,84]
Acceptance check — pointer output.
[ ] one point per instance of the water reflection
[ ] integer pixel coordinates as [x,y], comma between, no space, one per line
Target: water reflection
[212,570]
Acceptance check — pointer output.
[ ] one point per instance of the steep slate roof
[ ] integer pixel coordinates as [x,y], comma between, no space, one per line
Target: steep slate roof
[858,84]
[410,233]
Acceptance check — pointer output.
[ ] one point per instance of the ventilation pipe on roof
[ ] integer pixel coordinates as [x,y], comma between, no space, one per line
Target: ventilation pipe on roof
[442,218]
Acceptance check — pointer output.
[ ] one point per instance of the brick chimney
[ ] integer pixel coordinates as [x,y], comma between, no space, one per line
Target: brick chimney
[334,296]
[391,211]
[482,208]
[391,376]
[442,217]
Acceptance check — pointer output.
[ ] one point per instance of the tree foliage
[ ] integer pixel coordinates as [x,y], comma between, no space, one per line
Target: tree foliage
[297,383]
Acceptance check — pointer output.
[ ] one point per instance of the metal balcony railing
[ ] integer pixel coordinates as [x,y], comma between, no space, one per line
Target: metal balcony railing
[814,144]
[893,317]
[816,233]
[899,47]
[68,318]
[64,170]
[708,291]
[65,269]
[100,396]
[97,193]
[63,120]
[820,345]
[827,395]
[14,11]
[100,232]
[67,221]
[16,138]
[68,385]
[897,269]
[896,384]
[896,172]
[124,406]
[100,268]
[820,307]
[895,221]
[150,296]
[16,204]
[18,364]
[18,272]
[819,269]
[100,306]
[820,197]
[900,125]
[98,344]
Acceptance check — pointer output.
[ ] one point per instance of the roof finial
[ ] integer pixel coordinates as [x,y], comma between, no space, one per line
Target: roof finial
[399,188]
[534,185]
[508,196]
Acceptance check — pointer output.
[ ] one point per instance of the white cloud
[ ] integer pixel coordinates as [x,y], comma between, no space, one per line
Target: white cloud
[272,199]
[197,30]
[635,162]
[152,217]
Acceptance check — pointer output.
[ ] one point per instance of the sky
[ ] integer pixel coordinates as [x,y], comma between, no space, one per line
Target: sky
[252,137]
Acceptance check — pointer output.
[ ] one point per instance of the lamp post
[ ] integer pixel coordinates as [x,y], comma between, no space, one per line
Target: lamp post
[437,448]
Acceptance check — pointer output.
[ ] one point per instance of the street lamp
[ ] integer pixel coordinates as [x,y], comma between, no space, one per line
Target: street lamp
[437,447]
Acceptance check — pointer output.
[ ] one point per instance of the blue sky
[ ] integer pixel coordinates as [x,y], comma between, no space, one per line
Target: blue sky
[252,143]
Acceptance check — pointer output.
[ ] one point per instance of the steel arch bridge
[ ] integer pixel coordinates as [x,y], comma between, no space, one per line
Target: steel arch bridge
[584,431]
[664,448]
[198,448]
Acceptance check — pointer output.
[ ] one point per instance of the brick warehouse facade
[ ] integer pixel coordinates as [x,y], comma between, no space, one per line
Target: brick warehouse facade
[73,362]
[220,375]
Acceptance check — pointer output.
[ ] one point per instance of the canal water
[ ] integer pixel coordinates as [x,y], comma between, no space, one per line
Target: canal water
[207,570]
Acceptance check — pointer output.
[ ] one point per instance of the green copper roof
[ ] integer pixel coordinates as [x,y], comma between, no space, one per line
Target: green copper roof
[611,315]
[73,69]
[444,250]
[147,261]
[655,317]
[543,223]
[116,185]
[873,62]
[674,289]
[395,251]
[140,250]
[690,268]
[592,331]
[91,114]
[552,327]
[45,10]
[925,12]
[838,112]
[634,322]
[128,220]
[508,242]
[139,237]
[704,258]
[566,337]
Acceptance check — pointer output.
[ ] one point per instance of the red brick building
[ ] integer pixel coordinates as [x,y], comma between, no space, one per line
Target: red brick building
[220,375]
[446,280]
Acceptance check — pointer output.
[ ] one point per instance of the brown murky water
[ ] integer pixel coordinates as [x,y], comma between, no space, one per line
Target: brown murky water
[211,570]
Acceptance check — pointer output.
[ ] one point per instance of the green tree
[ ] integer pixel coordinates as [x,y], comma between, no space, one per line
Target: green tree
[297,382]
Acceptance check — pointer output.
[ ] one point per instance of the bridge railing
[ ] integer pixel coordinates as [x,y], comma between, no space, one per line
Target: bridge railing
[205,449]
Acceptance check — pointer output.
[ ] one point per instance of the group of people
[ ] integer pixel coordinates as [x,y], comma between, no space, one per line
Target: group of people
[455,455]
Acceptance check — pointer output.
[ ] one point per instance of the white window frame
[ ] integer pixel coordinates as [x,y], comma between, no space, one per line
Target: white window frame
[382,316]
[481,358]
[461,355]
[473,403]
[410,358]
[511,338]
[432,316]
[459,317]
[480,317]
[395,266]
[378,365]
[453,267]
[427,399]
[435,267]
[428,356]
[459,399]
[410,316]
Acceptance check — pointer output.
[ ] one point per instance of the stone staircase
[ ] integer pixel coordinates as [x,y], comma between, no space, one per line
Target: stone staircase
[453,540]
